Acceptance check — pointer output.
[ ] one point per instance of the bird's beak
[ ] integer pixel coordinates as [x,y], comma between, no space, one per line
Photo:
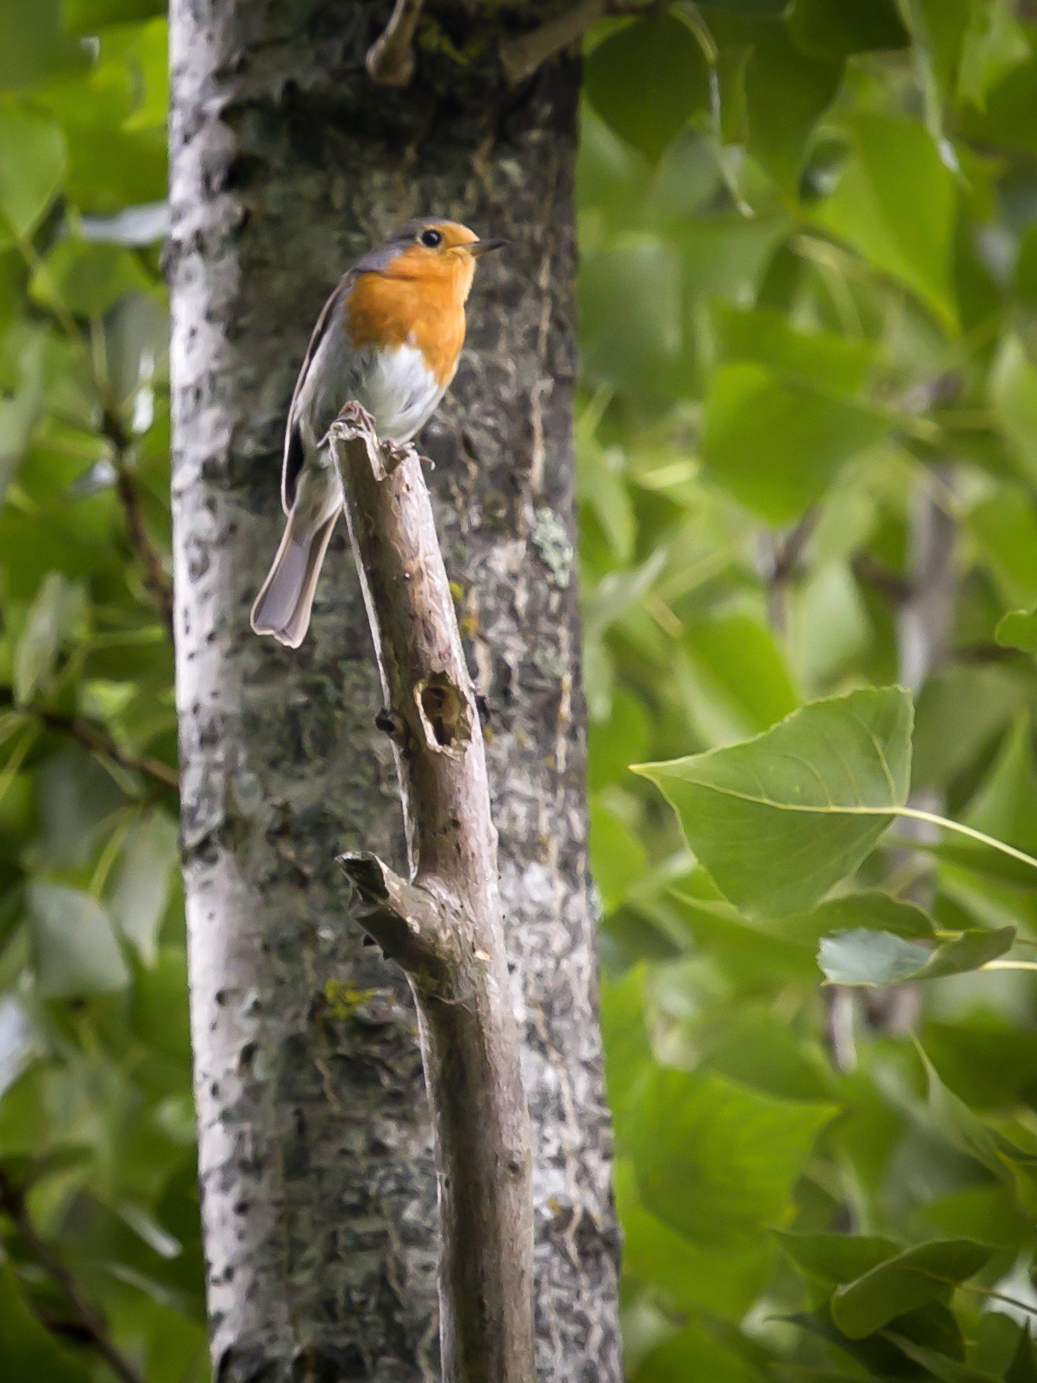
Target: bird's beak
[482,247]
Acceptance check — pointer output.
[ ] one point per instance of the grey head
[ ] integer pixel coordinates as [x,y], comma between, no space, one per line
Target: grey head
[382,255]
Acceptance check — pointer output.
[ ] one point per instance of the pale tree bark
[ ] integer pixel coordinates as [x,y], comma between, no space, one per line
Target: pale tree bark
[315,1155]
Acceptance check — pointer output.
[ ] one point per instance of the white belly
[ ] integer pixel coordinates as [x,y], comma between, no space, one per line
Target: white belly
[400,392]
[396,387]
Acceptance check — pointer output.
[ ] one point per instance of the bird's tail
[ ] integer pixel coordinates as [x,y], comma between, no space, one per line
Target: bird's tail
[283,605]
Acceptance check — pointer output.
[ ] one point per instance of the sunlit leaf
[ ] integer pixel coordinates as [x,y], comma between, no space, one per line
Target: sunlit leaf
[1013,393]
[995,43]
[895,204]
[35,45]
[87,16]
[1018,629]
[32,164]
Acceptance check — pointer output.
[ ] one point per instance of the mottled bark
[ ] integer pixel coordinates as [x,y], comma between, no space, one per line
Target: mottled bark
[316,1160]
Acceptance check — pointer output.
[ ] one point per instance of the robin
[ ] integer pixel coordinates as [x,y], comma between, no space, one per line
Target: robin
[389,338]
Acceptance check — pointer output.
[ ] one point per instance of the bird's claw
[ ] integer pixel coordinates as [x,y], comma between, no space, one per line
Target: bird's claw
[393,453]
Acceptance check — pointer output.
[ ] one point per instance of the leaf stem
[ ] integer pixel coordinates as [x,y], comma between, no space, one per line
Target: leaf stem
[915,814]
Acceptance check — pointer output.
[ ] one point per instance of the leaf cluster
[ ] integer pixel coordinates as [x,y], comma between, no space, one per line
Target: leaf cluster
[806,450]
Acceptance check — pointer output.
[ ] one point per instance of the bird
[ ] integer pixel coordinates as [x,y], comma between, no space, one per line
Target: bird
[389,338]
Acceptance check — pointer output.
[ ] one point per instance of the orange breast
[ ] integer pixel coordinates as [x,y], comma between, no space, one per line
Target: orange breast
[415,303]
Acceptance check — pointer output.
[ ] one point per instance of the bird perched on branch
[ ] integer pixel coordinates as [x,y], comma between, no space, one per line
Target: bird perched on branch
[389,338]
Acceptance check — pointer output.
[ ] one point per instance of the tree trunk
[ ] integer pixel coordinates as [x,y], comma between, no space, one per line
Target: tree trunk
[316,1163]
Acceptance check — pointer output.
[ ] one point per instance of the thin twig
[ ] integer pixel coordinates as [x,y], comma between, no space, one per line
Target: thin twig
[155,577]
[390,59]
[99,741]
[520,57]
[89,1325]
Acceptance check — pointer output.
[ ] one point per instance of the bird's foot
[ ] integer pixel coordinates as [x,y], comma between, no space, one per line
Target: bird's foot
[395,452]
[355,415]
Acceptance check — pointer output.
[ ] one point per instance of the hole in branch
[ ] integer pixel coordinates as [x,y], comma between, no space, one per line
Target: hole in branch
[444,712]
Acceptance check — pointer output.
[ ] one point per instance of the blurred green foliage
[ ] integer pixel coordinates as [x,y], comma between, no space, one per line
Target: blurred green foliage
[809,333]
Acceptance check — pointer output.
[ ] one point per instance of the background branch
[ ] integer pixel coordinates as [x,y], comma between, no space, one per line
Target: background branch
[88,1325]
[520,57]
[390,59]
[99,741]
[445,928]
[157,581]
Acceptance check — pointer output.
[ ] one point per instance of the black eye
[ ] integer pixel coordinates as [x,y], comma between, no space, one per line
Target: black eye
[431,238]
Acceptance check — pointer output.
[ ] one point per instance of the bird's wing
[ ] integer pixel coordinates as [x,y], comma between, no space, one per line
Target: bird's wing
[293,447]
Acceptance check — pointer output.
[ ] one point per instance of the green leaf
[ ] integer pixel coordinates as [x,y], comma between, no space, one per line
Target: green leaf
[32,165]
[1005,805]
[88,278]
[57,616]
[1018,629]
[629,298]
[764,335]
[691,1353]
[35,46]
[835,28]
[995,43]
[776,443]
[1013,394]
[30,1352]
[618,858]
[1005,526]
[613,745]
[751,9]
[895,204]
[647,80]
[938,1365]
[715,1160]
[911,1279]
[743,666]
[870,909]
[87,16]
[142,887]
[779,820]
[836,1257]
[74,948]
[689,1276]
[879,958]
[628,1051]
[786,92]
[963,1129]
[1023,1368]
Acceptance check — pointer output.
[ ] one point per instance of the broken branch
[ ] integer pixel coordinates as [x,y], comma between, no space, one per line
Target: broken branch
[444,927]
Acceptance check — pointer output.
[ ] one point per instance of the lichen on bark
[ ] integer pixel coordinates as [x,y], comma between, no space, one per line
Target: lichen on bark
[316,1168]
